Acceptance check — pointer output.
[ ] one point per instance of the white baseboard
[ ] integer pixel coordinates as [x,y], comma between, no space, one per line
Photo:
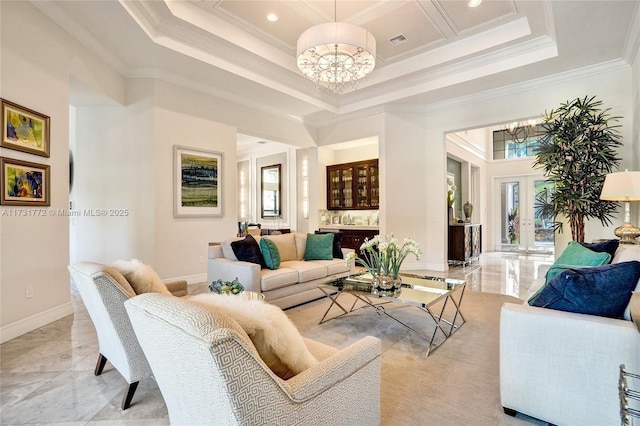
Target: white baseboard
[190,279]
[38,320]
[28,324]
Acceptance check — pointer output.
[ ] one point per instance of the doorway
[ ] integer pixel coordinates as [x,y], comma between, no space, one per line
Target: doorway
[520,226]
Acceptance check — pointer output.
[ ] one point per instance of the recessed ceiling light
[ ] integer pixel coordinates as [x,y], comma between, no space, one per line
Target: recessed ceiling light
[272,17]
[474,3]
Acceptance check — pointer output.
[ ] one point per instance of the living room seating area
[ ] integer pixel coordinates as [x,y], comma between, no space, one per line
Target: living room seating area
[560,363]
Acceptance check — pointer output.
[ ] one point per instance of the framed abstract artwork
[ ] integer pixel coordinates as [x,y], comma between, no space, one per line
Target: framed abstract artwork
[24,183]
[24,129]
[197,176]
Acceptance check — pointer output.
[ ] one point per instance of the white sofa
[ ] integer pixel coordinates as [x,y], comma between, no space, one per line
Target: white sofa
[563,367]
[294,282]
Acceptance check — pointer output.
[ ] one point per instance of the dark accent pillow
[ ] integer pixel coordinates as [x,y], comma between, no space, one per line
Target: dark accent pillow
[600,290]
[270,253]
[319,247]
[576,256]
[609,246]
[337,243]
[248,250]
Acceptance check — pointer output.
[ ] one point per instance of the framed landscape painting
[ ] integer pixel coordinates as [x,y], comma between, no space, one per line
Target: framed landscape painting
[24,183]
[197,182]
[24,129]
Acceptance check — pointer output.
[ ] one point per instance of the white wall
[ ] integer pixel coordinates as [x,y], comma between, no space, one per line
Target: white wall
[186,118]
[114,173]
[34,250]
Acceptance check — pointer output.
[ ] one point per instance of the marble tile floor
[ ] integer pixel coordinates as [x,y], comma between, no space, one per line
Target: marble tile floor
[46,376]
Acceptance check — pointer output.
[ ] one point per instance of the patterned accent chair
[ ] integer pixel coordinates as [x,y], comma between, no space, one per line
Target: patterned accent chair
[221,379]
[104,290]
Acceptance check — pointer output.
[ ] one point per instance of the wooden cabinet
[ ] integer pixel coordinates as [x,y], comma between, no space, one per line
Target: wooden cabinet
[353,238]
[353,186]
[465,242]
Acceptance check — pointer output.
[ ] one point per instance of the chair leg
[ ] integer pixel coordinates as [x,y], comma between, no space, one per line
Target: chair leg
[102,360]
[509,411]
[128,396]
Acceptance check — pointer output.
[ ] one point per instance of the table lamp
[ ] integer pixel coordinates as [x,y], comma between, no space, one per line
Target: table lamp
[623,186]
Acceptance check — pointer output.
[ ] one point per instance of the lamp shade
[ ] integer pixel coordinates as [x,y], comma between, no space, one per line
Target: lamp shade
[336,54]
[621,186]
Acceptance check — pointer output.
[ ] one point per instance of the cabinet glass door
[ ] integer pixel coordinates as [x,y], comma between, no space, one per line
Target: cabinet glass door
[347,188]
[362,186]
[334,194]
[375,186]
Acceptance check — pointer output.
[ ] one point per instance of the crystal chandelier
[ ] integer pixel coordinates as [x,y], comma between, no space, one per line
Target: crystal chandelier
[336,55]
[521,131]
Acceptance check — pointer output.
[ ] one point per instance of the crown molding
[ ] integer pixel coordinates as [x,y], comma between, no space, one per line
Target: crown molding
[632,42]
[153,73]
[68,24]
[534,84]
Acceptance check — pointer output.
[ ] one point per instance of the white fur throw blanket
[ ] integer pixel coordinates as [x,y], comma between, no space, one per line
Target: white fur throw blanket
[142,277]
[274,336]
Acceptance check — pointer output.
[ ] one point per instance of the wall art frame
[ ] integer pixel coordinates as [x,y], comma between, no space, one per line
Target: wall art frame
[197,182]
[24,129]
[24,183]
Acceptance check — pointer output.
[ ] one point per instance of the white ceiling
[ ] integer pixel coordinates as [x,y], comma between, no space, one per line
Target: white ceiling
[228,48]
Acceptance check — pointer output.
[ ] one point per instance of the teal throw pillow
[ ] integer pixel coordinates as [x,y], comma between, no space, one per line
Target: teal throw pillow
[270,253]
[573,257]
[319,247]
[576,255]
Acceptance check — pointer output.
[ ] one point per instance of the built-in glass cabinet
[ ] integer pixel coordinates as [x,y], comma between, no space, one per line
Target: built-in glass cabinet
[353,186]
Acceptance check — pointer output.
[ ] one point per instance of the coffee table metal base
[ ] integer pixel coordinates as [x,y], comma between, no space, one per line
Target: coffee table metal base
[446,327]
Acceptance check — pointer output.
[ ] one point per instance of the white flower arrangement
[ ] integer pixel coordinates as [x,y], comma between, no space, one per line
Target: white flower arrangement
[384,256]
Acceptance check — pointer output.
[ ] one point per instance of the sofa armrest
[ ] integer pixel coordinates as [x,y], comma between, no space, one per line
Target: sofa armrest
[346,251]
[562,367]
[226,269]
[336,368]
[177,288]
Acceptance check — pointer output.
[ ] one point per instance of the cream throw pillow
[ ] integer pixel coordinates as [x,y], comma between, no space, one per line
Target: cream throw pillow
[286,246]
[274,336]
[143,278]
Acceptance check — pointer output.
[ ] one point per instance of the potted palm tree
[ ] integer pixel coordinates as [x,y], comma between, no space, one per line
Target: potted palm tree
[577,149]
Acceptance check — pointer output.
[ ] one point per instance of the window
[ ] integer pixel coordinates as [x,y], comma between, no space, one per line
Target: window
[504,147]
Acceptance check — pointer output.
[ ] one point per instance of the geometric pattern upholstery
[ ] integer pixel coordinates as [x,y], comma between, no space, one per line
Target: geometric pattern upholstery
[209,372]
[104,290]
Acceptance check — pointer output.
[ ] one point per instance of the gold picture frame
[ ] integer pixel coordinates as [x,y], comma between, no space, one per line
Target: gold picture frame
[24,129]
[24,183]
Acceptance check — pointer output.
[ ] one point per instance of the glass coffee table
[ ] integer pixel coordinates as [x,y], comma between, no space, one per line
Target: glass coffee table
[436,297]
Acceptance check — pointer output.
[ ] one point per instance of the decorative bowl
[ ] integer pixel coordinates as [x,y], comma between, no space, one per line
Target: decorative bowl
[226,287]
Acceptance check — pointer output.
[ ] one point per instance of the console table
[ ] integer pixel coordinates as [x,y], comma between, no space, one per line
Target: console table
[465,242]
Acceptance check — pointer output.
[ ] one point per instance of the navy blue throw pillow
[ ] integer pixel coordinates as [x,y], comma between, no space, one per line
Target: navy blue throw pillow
[337,243]
[599,290]
[609,246]
[248,250]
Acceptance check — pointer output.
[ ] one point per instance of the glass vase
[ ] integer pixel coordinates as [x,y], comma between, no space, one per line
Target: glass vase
[383,282]
[397,283]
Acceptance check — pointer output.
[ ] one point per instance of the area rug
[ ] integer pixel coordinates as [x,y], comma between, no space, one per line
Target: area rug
[457,384]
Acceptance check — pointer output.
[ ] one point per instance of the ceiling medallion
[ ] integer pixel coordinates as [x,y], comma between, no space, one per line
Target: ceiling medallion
[336,55]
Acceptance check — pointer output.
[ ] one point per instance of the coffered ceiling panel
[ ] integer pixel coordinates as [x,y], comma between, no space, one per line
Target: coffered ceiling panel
[344,11]
[409,21]
[464,18]
[286,30]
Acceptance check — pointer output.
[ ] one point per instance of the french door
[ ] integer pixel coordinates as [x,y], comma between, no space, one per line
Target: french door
[519,226]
